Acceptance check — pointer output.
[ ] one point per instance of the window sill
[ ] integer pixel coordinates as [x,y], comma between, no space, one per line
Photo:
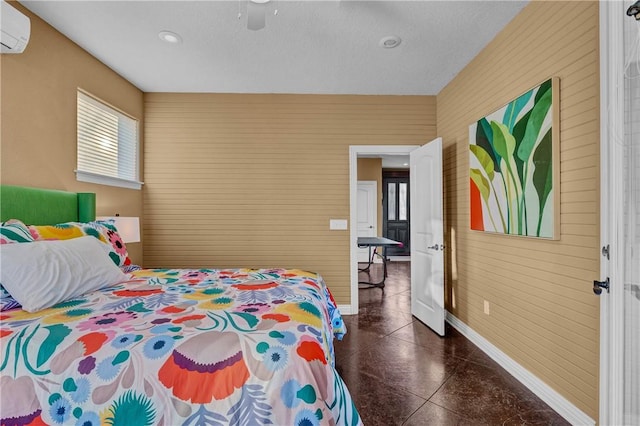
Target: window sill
[107,180]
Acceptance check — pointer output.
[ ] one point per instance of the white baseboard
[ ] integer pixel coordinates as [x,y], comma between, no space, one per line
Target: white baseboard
[559,403]
[346,310]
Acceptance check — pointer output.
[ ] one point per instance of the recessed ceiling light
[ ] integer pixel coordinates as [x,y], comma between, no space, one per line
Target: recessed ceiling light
[170,37]
[390,42]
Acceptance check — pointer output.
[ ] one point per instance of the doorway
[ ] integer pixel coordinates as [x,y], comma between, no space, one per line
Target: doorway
[356,152]
[427,251]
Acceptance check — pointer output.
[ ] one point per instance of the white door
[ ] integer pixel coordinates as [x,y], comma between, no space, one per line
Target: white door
[367,224]
[427,239]
[620,217]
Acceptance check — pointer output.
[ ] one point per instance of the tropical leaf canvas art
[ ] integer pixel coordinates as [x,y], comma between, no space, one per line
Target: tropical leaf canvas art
[514,166]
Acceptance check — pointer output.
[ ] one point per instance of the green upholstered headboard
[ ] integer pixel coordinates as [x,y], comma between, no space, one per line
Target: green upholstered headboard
[36,206]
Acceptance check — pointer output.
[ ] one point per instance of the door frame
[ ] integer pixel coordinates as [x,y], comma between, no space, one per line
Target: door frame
[611,124]
[354,151]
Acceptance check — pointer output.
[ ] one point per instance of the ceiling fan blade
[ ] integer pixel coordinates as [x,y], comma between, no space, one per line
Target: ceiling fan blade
[256,15]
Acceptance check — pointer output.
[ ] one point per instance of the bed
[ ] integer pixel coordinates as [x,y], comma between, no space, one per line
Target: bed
[163,346]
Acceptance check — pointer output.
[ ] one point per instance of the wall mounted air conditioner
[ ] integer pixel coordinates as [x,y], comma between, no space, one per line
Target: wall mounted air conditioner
[15,29]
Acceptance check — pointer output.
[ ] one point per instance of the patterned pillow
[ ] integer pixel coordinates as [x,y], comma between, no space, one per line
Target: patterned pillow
[12,231]
[7,301]
[103,230]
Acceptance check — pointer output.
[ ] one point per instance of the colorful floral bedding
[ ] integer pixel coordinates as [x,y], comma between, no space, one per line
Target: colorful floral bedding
[179,347]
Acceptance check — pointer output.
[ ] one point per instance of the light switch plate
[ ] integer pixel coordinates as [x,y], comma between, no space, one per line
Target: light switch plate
[338,224]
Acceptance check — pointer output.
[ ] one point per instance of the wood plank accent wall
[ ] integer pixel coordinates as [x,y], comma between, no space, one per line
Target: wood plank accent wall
[249,180]
[543,313]
[38,114]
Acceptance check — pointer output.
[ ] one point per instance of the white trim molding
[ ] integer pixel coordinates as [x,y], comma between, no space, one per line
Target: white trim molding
[559,403]
[346,310]
[612,112]
[371,151]
[83,176]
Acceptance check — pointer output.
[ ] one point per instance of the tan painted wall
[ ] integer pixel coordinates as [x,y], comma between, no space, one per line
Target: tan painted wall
[39,117]
[371,169]
[252,180]
[543,313]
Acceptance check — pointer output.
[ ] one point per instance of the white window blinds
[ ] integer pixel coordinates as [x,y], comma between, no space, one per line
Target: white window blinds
[107,145]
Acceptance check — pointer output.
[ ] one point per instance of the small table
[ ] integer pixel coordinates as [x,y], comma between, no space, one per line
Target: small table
[376,242]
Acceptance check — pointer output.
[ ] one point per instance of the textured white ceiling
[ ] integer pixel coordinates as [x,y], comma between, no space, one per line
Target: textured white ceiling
[321,47]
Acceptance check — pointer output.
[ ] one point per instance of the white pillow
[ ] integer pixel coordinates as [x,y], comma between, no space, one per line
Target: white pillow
[40,274]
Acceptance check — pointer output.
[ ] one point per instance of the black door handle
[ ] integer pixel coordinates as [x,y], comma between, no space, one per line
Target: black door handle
[599,285]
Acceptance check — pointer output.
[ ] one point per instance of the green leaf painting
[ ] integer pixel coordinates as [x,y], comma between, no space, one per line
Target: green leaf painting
[511,166]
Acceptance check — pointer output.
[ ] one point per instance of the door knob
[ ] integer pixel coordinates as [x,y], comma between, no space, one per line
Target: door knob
[598,286]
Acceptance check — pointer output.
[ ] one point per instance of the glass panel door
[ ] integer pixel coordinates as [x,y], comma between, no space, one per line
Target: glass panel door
[396,211]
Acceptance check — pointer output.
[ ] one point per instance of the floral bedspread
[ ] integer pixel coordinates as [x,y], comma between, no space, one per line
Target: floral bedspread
[179,347]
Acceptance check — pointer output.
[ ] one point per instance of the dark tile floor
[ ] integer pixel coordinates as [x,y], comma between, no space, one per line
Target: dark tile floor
[401,373]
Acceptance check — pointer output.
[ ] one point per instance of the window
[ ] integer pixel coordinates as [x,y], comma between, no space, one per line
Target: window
[391,201]
[397,201]
[402,203]
[107,145]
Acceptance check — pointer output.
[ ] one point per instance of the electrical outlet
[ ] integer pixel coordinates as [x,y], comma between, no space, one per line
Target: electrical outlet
[486,307]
